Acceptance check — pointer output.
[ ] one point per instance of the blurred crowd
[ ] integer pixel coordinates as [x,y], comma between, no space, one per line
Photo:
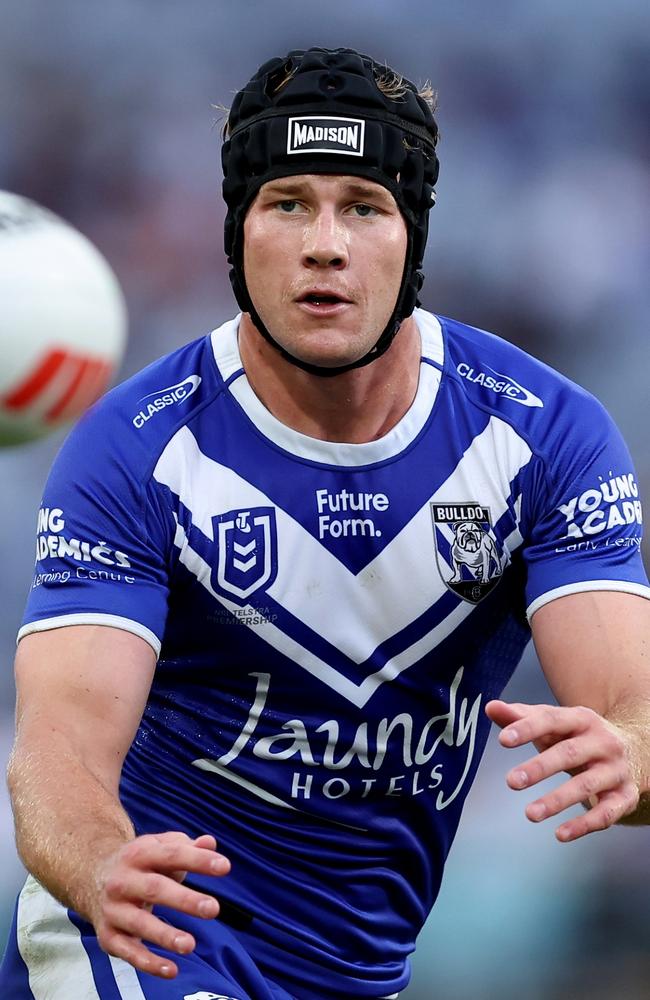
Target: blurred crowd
[109,116]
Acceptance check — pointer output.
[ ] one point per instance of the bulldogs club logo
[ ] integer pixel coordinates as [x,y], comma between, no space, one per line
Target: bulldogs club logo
[247,552]
[466,549]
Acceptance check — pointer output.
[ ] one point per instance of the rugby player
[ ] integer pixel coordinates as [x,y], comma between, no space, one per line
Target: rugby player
[284,575]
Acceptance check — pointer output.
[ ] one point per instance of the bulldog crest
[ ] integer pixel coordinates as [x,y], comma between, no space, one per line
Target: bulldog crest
[466,549]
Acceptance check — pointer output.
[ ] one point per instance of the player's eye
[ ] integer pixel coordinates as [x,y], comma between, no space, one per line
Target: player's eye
[288,206]
[364,211]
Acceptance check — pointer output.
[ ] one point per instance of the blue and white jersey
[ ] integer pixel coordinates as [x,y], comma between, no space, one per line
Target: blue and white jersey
[330,619]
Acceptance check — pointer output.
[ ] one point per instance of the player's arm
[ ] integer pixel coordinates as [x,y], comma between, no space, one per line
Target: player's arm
[81,694]
[594,648]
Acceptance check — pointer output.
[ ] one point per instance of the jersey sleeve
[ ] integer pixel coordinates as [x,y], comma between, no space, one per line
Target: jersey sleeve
[103,535]
[584,518]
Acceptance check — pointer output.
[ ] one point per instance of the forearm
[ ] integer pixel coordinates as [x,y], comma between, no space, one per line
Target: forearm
[633,721]
[67,822]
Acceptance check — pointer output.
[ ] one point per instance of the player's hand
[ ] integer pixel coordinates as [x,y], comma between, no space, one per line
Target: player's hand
[146,872]
[577,740]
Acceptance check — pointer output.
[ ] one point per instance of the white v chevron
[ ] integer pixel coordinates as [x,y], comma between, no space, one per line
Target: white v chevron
[372,605]
[358,694]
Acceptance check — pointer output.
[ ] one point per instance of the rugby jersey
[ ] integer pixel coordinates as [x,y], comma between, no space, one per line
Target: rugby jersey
[330,619]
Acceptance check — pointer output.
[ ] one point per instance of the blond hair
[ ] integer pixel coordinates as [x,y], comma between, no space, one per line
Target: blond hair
[392,85]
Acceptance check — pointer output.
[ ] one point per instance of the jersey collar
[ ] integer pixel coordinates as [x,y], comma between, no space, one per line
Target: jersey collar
[228,360]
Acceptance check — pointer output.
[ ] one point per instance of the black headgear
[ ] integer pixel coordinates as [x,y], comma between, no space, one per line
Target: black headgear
[320,111]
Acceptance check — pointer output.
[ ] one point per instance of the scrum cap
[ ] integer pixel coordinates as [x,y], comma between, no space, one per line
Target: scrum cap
[321,111]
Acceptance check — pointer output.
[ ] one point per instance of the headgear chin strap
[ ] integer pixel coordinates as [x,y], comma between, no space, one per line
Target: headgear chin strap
[320,111]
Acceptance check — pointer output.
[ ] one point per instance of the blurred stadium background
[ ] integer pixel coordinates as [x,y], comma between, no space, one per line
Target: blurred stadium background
[540,233]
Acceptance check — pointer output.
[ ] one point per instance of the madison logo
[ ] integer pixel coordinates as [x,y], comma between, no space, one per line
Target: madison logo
[313,134]
[466,549]
[247,552]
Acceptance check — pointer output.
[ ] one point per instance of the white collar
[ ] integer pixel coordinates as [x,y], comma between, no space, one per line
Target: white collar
[228,360]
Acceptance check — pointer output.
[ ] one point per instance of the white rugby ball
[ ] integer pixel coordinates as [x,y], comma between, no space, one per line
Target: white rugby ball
[63,321]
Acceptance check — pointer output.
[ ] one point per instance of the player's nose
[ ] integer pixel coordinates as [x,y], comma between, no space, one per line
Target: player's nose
[325,242]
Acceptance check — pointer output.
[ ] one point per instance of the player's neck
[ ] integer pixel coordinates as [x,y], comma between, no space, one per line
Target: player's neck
[359,406]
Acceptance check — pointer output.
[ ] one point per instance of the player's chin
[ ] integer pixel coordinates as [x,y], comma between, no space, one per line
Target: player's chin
[326,346]
[328,356]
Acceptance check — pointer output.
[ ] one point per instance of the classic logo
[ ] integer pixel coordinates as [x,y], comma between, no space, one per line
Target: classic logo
[247,556]
[313,134]
[466,549]
[501,385]
[161,398]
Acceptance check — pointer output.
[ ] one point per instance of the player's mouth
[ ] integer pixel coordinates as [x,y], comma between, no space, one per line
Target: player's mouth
[323,302]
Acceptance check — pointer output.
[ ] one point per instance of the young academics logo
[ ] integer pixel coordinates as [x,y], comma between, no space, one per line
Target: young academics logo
[466,549]
[313,134]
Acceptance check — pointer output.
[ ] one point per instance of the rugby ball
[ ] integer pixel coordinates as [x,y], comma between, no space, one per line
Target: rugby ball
[63,321]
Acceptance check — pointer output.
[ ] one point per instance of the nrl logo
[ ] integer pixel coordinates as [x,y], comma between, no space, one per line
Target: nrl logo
[313,134]
[466,549]
[247,552]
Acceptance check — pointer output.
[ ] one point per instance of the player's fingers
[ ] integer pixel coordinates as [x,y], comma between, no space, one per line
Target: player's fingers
[206,840]
[153,853]
[503,712]
[548,722]
[596,780]
[177,837]
[153,889]
[611,807]
[142,924]
[566,755]
[137,954]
